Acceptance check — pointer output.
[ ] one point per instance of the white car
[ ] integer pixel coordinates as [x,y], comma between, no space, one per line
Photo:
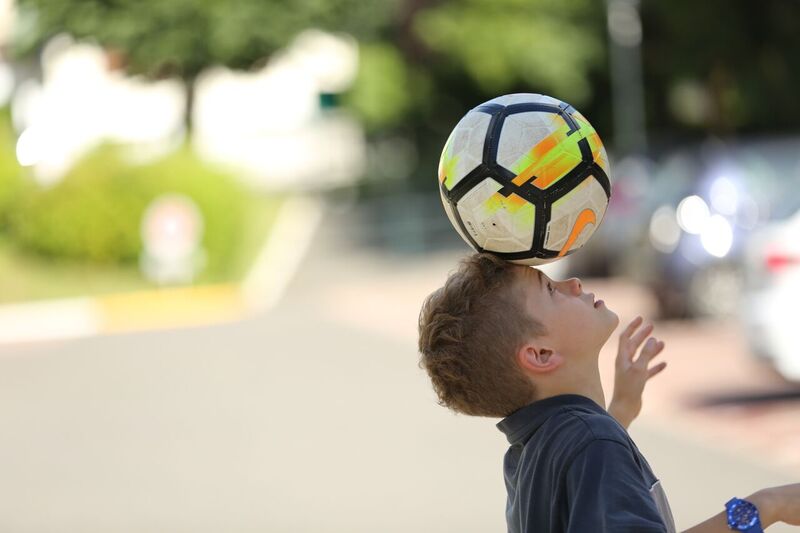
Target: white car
[770,307]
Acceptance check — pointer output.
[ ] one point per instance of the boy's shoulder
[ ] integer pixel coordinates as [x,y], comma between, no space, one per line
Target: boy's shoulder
[560,425]
[581,425]
[574,427]
[597,425]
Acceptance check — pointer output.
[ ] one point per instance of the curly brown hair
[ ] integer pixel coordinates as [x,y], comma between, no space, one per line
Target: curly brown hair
[469,332]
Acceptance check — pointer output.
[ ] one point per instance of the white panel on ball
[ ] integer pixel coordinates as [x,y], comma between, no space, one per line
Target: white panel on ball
[496,223]
[589,194]
[520,133]
[465,146]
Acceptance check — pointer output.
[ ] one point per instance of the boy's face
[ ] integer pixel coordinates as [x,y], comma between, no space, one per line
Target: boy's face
[577,324]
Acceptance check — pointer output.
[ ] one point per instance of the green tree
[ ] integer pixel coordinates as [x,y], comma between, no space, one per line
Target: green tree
[549,45]
[741,57]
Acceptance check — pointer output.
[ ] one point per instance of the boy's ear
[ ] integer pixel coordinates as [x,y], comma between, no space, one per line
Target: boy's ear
[538,358]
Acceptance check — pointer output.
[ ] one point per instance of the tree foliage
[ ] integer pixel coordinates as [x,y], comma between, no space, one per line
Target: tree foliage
[547,45]
[742,56]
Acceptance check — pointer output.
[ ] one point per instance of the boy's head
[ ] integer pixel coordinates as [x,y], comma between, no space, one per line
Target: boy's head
[499,336]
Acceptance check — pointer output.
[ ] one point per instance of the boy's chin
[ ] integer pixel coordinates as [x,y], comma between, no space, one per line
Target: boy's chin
[613,320]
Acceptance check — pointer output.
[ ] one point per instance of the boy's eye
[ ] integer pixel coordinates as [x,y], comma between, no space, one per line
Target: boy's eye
[550,287]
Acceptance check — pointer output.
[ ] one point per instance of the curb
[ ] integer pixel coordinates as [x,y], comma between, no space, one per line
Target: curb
[177,307]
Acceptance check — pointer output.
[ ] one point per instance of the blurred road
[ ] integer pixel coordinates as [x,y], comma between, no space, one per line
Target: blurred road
[314,417]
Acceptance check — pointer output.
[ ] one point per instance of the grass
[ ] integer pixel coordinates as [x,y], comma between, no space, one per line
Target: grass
[27,277]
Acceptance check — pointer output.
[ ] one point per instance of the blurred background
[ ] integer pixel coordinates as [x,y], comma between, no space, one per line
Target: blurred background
[218,220]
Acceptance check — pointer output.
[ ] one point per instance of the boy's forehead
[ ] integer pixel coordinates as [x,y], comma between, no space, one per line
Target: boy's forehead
[530,276]
[530,284]
[533,273]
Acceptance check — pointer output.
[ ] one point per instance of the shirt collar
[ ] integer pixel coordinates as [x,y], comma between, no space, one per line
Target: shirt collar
[522,423]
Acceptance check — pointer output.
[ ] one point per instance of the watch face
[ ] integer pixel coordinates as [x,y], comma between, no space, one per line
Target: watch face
[744,515]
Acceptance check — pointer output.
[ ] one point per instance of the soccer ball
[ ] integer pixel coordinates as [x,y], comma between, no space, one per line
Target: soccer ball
[525,177]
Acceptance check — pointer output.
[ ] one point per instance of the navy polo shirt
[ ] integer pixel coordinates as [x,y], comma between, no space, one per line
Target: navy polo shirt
[573,468]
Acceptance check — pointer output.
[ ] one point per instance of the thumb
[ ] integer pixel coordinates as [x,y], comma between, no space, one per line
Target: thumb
[656,369]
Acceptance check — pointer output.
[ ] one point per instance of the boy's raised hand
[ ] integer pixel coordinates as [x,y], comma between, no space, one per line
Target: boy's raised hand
[632,374]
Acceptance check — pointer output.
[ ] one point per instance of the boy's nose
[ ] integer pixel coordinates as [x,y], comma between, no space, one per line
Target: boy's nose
[575,283]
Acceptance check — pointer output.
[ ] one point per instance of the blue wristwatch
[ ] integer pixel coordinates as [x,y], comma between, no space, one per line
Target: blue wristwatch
[743,516]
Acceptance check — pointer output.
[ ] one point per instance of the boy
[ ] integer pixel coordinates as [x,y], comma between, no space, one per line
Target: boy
[505,340]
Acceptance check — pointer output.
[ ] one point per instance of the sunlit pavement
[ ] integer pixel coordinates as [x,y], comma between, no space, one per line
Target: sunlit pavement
[315,417]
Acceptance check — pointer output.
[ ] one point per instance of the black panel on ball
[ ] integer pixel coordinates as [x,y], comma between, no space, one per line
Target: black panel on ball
[475,176]
[566,113]
[489,109]
[540,226]
[527,107]
[529,254]
[601,176]
[492,140]
[570,180]
[504,177]
[586,150]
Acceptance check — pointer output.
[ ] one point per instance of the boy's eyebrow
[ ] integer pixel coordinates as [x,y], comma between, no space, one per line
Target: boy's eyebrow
[539,275]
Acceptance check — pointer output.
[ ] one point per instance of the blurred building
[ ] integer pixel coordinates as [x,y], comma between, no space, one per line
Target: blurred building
[277,127]
[275,124]
[80,102]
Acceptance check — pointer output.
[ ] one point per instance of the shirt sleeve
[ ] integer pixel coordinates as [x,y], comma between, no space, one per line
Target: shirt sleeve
[608,494]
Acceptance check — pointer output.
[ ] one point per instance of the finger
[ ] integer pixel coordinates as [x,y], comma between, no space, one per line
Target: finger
[656,369]
[628,331]
[651,349]
[640,336]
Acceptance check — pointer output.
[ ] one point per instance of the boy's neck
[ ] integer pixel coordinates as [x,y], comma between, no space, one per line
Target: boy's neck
[587,384]
[594,391]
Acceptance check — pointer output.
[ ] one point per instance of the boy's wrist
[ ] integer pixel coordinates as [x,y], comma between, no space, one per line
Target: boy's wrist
[622,411]
[768,503]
